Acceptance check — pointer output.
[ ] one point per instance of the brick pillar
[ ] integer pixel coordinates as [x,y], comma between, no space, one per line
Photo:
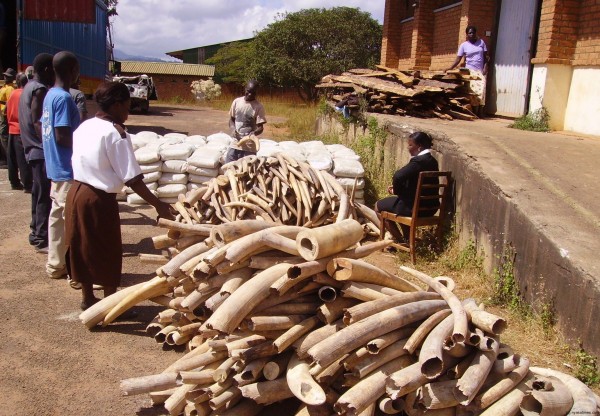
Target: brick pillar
[557,36]
[390,45]
[422,38]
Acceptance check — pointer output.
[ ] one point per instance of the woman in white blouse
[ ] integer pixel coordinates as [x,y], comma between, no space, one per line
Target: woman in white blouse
[103,162]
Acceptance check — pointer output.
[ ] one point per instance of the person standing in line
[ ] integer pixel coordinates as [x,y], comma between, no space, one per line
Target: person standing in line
[79,98]
[5,92]
[60,118]
[475,52]
[30,113]
[103,162]
[246,117]
[16,153]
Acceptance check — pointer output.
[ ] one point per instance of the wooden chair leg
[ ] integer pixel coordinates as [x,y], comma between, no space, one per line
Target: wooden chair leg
[411,244]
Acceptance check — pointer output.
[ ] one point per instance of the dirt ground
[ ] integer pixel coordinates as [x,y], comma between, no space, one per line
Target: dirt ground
[50,363]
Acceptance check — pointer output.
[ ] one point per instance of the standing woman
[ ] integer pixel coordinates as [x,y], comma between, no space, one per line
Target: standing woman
[477,58]
[103,161]
[404,185]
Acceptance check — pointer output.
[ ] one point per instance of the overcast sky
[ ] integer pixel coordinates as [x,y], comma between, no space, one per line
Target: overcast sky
[153,27]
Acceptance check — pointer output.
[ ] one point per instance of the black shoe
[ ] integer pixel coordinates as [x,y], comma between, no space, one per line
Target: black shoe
[27,191]
[16,187]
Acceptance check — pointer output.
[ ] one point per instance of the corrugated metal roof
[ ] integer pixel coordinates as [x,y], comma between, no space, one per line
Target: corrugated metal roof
[167,68]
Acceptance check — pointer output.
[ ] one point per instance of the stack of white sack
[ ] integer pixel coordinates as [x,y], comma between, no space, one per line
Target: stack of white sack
[204,163]
[175,163]
[348,170]
[146,145]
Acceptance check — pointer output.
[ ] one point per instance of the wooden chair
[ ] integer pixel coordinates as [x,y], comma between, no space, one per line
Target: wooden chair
[443,186]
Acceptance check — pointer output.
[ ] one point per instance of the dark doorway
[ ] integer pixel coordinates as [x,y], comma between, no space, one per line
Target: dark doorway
[8,35]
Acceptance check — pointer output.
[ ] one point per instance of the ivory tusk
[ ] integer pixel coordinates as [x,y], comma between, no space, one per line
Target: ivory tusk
[321,242]
[584,401]
[472,380]
[556,401]
[295,332]
[235,308]
[357,334]
[366,309]
[301,383]
[460,316]
[360,271]
[154,287]
[147,384]
[267,392]
[424,329]
[366,392]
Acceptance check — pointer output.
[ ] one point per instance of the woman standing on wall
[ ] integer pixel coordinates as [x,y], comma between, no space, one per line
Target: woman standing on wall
[475,52]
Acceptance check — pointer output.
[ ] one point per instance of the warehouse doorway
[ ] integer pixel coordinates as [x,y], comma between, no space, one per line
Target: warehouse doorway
[511,69]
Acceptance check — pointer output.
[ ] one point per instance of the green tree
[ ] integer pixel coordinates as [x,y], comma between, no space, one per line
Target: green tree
[231,62]
[300,48]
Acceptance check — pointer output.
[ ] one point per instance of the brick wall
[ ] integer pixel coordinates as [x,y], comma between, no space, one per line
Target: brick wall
[405,51]
[557,36]
[445,32]
[170,87]
[390,46]
[482,15]
[587,47]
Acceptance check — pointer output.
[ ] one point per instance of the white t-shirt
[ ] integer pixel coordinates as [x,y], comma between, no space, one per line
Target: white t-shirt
[247,114]
[475,54]
[101,157]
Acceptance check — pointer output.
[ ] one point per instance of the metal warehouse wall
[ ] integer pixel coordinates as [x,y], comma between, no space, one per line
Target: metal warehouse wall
[86,40]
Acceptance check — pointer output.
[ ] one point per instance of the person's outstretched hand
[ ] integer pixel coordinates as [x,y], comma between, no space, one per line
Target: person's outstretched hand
[165,211]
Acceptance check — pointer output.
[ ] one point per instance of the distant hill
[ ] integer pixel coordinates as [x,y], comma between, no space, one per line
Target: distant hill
[123,56]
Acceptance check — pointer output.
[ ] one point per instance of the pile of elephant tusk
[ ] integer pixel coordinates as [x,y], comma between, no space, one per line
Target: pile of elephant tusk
[270,312]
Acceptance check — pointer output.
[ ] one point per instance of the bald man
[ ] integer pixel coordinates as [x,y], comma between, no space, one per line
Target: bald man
[60,118]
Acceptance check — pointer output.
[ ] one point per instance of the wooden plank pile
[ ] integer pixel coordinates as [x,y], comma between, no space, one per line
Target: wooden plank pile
[271,312]
[424,94]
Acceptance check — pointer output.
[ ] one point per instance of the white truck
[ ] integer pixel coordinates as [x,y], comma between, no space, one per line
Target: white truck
[141,90]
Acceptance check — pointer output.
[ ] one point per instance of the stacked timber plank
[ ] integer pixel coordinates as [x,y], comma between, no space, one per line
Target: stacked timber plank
[425,94]
[270,312]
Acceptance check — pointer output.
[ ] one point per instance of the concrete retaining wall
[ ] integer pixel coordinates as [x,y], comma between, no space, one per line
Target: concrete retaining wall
[488,216]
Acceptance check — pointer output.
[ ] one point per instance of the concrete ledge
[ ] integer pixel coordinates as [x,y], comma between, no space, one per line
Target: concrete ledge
[503,199]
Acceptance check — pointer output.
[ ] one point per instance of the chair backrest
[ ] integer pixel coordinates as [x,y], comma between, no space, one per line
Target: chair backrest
[433,190]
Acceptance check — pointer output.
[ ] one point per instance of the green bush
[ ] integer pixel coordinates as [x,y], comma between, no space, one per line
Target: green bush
[537,120]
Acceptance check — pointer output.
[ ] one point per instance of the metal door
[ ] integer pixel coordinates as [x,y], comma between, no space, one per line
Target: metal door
[512,59]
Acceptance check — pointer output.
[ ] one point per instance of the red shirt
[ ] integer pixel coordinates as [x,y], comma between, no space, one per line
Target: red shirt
[12,112]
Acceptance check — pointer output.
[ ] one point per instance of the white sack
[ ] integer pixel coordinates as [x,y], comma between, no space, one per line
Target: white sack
[348,168]
[145,155]
[199,179]
[168,177]
[205,157]
[152,177]
[348,183]
[174,166]
[199,171]
[176,152]
[151,167]
[171,190]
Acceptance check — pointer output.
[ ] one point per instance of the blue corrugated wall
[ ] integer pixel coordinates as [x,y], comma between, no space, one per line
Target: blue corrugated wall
[87,41]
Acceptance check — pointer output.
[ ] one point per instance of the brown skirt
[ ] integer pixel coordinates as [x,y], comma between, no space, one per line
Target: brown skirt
[93,236]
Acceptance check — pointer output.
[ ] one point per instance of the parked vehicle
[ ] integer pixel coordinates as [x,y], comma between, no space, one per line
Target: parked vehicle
[141,90]
[36,26]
